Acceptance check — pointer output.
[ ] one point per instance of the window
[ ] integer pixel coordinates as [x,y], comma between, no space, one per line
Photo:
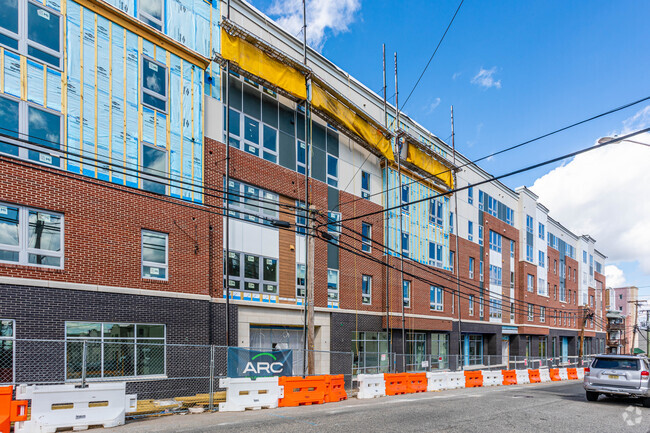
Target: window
[512,311]
[471,305]
[451,222]
[154,163]
[554,318]
[471,267]
[495,275]
[495,307]
[300,279]
[435,212]
[301,153]
[7,355]
[439,350]
[529,224]
[405,198]
[470,195]
[472,349]
[406,293]
[251,203]
[531,312]
[370,350]
[332,171]
[41,126]
[366,237]
[332,285]
[416,349]
[481,196]
[541,287]
[115,349]
[495,241]
[512,279]
[562,292]
[154,84]
[480,307]
[470,231]
[542,314]
[512,249]
[256,274]
[451,261]
[154,255]
[30,237]
[151,12]
[555,292]
[543,342]
[584,257]
[405,245]
[435,254]
[480,234]
[542,260]
[529,253]
[531,282]
[555,266]
[32,29]
[541,231]
[480,270]
[435,298]
[334,224]
[301,218]
[365,185]
[366,289]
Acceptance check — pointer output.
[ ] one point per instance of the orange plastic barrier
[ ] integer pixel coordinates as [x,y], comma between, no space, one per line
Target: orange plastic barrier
[473,379]
[335,389]
[300,391]
[572,373]
[555,374]
[509,377]
[416,382]
[10,411]
[533,375]
[396,383]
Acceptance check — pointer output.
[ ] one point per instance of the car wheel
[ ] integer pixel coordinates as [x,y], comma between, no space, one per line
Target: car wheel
[592,396]
[646,402]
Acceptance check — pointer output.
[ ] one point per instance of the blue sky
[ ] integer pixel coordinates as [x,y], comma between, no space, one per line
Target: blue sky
[545,65]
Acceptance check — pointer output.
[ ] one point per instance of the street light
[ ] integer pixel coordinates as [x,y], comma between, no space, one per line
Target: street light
[606,139]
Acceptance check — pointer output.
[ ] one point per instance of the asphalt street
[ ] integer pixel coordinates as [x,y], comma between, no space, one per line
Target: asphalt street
[549,407]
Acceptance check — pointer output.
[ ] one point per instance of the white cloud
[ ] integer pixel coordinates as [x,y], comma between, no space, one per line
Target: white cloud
[604,193]
[456,75]
[615,276]
[485,78]
[640,120]
[433,105]
[335,15]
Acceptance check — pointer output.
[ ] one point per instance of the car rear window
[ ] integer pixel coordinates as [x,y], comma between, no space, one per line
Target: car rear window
[616,364]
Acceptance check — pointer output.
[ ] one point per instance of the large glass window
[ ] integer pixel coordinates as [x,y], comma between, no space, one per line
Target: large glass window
[258,274]
[439,351]
[152,12]
[154,83]
[251,203]
[366,237]
[31,29]
[41,126]
[332,284]
[472,349]
[366,289]
[365,184]
[7,355]
[495,307]
[300,280]
[332,171]
[154,255]
[495,241]
[30,237]
[406,293]
[154,163]
[416,348]
[114,349]
[370,351]
[471,268]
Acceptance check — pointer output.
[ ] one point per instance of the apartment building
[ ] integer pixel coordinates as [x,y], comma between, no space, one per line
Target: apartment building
[113,222]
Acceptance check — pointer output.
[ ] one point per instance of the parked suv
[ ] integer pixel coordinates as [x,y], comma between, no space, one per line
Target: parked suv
[618,376]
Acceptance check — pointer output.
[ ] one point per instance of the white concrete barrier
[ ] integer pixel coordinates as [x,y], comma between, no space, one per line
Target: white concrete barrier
[455,380]
[69,406]
[371,385]
[563,374]
[522,377]
[245,393]
[544,375]
[581,373]
[492,378]
[437,381]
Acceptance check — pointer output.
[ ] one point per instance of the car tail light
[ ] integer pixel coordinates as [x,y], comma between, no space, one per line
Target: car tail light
[645,374]
[586,370]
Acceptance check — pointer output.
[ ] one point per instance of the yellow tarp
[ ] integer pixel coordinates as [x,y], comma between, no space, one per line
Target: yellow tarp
[253,60]
[427,163]
[355,123]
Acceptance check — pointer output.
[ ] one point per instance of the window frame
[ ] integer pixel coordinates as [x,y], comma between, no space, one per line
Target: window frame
[252,213]
[332,180]
[145,58]
[406,285]
[12,339]
[470,230]
[438,302]
[365,192]
[23,248]
[330,291]
[22,38]
[144,262]
[300,287]
[531,312]
[366,241]
[470,306]
[102,340]
[542,314]
[159,178]
[367,280]
[530,278]
[470,272]
[260,281]
[151,18]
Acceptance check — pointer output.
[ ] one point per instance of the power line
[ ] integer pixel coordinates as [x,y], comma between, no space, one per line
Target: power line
[508,174]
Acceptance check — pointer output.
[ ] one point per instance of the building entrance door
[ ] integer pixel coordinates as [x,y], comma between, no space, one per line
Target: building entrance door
[564,352]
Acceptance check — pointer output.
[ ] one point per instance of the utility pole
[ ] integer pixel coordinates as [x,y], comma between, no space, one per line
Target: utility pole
[401,217]
[457,254]
[227,223]
[636,320]
[647,333]
[386,232]
[309,296]
[586,314]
